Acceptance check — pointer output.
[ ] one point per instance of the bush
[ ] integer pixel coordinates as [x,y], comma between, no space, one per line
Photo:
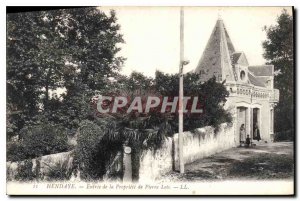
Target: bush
[15,151]
[59,172]
[87,152]
[45,139]
[24,171]
[37,141]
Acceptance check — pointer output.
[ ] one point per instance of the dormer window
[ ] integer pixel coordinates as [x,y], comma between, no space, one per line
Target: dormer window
[242,75]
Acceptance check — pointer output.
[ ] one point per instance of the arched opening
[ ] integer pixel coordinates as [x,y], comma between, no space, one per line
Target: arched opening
[242,123]
[242,75]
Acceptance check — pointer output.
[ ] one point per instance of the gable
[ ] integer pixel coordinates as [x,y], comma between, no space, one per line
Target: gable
[243,60]
[239,58]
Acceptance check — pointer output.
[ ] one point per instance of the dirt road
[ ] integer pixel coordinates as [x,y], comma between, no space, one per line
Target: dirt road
[263,161]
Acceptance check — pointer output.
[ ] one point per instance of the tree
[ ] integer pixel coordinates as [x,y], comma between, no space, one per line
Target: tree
[72,50]
[22,69]
[36,55]
[93,38]
[212,97]
[278,51]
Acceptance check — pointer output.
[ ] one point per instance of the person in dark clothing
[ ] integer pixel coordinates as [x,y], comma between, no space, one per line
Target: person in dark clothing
[256,132]
[248,141]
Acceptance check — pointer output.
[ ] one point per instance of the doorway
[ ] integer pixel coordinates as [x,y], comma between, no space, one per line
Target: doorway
[256,123]
[242,119]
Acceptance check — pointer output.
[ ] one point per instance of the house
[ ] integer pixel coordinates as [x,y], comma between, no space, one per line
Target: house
[252,95]
[251,101]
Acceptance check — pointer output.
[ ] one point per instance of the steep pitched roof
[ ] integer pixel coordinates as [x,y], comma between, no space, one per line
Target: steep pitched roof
[264,70]
[256,82]
[215,60]
[235,57]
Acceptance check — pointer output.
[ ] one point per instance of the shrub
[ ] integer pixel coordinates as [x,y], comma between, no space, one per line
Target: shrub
[15,151]
[59,171]
[37,141]
[24,171]
[88,153]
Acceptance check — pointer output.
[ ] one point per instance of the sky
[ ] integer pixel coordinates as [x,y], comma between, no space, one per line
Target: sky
[151,34]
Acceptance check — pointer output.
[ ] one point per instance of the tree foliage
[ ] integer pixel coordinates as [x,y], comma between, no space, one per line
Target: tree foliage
[212,97]
[68,50]
[278,50]
[37,141]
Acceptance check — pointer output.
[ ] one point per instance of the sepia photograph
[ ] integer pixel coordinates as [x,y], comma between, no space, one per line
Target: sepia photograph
[132,100]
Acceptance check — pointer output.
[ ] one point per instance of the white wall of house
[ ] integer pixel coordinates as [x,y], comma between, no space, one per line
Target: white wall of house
[264,116]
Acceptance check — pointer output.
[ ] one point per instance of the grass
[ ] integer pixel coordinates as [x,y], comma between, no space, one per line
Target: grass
[264,166]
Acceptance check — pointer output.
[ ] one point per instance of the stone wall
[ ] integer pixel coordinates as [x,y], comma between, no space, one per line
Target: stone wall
[41,167]
[204,142]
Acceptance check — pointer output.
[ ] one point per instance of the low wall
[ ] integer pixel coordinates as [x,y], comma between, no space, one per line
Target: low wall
[40,167]
[204,142]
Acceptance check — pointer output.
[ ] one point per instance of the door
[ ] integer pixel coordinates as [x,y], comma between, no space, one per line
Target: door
[241,120]
[256,122]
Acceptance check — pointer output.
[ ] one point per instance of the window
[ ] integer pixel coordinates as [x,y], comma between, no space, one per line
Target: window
[242,75]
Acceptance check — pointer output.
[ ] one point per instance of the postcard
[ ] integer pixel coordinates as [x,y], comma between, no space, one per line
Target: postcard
[150,101]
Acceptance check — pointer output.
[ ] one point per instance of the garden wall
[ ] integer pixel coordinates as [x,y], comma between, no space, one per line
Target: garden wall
[204,142]
[39,168]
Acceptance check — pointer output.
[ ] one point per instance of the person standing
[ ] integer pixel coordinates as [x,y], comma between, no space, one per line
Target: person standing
[256,133]
[248,141]
[242,133]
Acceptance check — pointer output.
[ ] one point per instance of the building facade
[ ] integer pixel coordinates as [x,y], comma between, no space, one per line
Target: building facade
[252,95]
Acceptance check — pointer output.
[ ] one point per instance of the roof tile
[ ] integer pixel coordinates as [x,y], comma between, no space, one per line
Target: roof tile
[263,70]
[253,80]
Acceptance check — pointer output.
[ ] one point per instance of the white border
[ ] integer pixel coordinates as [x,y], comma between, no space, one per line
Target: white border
[105,3]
